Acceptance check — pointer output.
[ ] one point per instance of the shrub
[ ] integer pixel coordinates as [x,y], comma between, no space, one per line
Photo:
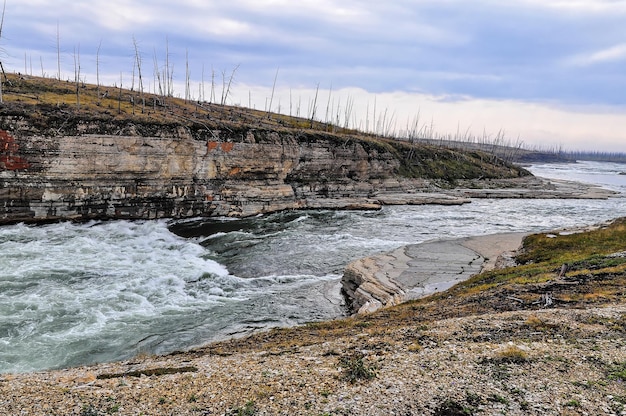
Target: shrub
[356,369]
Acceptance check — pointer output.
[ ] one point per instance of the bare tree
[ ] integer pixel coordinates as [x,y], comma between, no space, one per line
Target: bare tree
[212,98]
[269,110]
[119,100]
[2,66]
[166,75]
[330,93]
[314,106]
[77,74]
[138,59]
[187,77]
[168,72]
[201,92]
[58,52]
[98,71]
[230,81]
[157,76]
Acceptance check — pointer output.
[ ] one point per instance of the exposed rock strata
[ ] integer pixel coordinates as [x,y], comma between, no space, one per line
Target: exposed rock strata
[177,173]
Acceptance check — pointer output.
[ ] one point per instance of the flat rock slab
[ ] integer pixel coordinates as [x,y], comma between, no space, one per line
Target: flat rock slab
[436,266]
[418,270]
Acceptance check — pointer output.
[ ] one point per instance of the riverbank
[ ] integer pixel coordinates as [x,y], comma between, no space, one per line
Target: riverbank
[492,345]
[185,160]
[545,362]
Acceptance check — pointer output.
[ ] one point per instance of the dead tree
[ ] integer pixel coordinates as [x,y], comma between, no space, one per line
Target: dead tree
[4,75]
[138,60]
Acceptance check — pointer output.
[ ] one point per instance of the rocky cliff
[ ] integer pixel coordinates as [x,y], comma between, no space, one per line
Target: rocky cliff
[58,163]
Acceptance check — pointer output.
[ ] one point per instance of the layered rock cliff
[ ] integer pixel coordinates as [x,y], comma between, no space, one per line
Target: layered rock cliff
[57,163]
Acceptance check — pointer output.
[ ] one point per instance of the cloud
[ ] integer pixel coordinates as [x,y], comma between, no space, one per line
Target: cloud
[612,54]
[581,6]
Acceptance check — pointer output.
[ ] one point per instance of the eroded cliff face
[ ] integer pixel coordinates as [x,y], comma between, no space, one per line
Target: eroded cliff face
[130,176]
[57,163]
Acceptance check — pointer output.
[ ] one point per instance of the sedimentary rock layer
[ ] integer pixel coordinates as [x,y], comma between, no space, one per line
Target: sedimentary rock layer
[105,176]
[170,171]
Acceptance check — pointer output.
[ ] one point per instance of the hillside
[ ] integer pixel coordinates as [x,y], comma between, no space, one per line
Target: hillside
[52,108]
[78,151]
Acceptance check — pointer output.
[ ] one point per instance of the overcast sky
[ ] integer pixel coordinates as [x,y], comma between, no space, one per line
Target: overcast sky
[546,72]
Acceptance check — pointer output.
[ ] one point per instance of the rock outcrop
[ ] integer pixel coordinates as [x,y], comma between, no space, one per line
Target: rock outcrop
[56,164]
[105,176]
[417,270]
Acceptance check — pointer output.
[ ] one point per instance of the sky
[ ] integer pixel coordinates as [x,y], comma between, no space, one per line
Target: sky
[541,73]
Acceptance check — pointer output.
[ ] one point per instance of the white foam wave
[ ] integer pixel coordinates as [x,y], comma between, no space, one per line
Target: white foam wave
[63,282]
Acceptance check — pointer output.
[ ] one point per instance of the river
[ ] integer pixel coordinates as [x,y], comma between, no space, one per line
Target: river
[73,294]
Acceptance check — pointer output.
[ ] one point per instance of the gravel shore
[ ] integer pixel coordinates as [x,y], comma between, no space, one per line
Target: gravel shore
[550,362]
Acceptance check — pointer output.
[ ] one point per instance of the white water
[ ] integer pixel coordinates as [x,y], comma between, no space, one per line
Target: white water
[73,294]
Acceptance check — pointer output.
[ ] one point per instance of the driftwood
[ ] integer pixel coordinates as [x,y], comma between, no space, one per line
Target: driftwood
[545,300]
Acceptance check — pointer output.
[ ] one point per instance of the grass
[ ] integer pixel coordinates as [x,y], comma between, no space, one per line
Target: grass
[248,409]
[617,371]
[512,354]
[594,273]
[450,407]
[356,368]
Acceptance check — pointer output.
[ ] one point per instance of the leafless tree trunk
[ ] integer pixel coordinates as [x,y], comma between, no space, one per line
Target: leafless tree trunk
[58,52]
[157,76]
[212,98]
[201,92]
[2,66]
[119,100]
[230,81]
[223,87]
[166,74]
[330,93]
[187,76]
[98,71]
[169,71]
[314,107]
[269,110]
[138,58]
[77,74]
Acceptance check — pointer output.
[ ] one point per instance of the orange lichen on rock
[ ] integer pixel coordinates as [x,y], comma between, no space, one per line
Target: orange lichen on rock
[225,146]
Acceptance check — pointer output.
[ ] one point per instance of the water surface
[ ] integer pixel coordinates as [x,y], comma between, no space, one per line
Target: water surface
[74,294]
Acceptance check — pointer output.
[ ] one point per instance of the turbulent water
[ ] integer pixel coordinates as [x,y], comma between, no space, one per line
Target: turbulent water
[74,294]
